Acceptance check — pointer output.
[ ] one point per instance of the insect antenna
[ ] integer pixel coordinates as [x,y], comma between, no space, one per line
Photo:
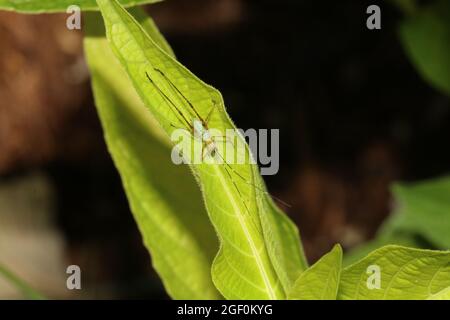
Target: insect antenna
[181,94]
[205,124]
[172,105]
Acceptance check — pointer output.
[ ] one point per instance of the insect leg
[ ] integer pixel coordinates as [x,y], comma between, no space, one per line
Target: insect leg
[181,94]
[171,104]
[251,183]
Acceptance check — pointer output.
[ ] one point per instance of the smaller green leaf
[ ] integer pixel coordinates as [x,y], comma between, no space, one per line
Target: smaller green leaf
[27,291]
[421,219]
[424,209]
[426,38]
[41,6]
[404,274]
[321,281]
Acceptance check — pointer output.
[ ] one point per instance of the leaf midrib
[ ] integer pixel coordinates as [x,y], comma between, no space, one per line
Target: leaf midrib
[247,234]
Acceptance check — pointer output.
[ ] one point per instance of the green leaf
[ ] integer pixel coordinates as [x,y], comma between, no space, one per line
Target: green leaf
[27,291]
[252,263]
[173,222]
[424,209]
[321,281]
[426,39]
[405,274]
[421,218]
[40,6]
[441,295]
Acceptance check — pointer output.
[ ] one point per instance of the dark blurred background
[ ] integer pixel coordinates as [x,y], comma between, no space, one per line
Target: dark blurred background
[353,113]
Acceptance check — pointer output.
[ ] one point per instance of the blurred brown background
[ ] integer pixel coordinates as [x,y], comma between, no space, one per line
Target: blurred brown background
[353,114]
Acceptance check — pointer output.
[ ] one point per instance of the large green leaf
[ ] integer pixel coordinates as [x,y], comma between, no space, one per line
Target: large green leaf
[441,295]
[405,274]
[260,255]
[426,38]
[27,291]
[172,221]
[39,6]
[321,281]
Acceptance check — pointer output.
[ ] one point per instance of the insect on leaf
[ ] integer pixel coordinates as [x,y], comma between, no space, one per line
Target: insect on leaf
[260,255]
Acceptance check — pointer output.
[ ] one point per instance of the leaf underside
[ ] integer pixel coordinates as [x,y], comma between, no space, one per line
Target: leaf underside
[251,263]
[405,274]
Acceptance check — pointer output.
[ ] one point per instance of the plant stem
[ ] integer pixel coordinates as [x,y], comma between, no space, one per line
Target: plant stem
[27,291]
